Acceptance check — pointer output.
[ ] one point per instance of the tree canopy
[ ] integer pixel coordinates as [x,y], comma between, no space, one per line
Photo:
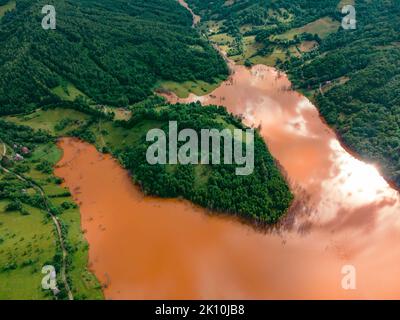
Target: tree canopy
[113,51]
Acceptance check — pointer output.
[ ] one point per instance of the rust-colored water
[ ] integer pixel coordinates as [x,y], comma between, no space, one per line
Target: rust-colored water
[345,214]
[342,203]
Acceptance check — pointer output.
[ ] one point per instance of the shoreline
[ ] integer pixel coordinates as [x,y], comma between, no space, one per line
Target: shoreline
[342,142]
[264,241]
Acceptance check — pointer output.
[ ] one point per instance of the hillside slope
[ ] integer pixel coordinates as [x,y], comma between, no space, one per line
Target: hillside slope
[113,52]
[351,75]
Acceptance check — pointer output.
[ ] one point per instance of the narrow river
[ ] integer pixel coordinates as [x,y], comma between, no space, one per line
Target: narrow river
[344,214]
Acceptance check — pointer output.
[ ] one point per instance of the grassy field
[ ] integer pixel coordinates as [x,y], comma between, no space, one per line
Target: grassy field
[67,91]
[210,27]
[8,6]
[109,135]
[223,40]
[269,60]
[323,27]
[84,284]
[48,119]
[184,89]
[28,241]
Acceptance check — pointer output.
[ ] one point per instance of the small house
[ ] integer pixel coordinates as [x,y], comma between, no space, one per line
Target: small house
[18,157]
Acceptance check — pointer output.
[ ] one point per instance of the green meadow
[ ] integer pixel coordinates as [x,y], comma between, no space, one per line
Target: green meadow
[184,89]
[28,240]
[8,6]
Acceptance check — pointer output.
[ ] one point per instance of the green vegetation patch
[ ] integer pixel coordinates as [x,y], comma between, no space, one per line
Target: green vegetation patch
[54,121]
[184,89]
[262,196]
[322,27]
[268,32]
[26,245]
[5,6]
[67,91]
[28,240]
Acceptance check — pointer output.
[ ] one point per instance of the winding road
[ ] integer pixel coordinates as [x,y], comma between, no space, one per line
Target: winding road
[55,221]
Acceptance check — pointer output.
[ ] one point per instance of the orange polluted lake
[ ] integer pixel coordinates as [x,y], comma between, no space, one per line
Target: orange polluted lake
[344,214]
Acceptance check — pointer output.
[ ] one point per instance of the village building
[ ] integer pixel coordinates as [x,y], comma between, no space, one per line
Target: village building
[18,157]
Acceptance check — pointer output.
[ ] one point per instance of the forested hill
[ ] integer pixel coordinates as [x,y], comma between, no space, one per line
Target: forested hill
[112,51]
[360,76]
[353,76]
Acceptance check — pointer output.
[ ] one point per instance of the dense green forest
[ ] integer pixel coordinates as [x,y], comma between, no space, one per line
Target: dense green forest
[112,51]
[364,103]
[262,195]
[351,75]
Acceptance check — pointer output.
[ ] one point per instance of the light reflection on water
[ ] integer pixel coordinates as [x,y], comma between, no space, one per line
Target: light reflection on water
[344,213]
